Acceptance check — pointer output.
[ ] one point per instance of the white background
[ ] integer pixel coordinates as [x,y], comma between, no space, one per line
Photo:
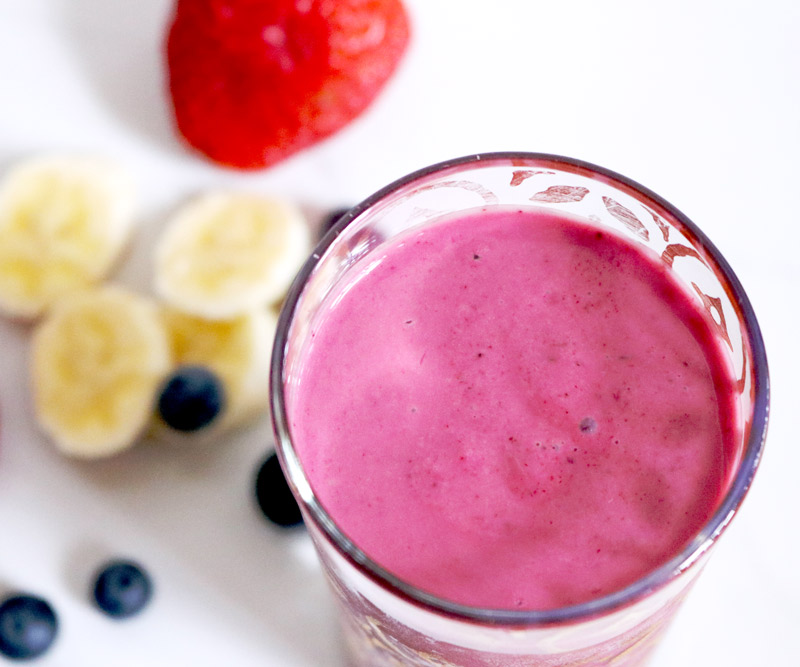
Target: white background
[697,100]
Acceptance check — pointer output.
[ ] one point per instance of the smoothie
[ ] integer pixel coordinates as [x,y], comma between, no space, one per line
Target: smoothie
[511,408]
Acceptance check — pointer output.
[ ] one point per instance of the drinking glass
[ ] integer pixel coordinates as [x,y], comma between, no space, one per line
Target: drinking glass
[385,620]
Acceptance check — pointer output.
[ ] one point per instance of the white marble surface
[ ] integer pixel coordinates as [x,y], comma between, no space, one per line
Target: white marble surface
[699,101]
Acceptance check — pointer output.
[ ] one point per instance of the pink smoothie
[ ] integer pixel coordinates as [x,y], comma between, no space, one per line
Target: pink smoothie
[512,409]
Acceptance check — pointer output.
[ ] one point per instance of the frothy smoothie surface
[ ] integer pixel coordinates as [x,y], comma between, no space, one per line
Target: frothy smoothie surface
[512,409]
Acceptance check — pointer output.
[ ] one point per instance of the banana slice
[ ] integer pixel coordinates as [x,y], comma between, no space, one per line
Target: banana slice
[225,254]
[63,222]
[98,359]
[237,350]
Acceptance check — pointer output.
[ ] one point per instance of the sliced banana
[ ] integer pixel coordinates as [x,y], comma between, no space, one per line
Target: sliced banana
[237,350]
[98,359]
[224,254]
[63,222]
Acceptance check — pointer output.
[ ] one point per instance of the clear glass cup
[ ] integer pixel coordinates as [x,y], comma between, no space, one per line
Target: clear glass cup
[387,621]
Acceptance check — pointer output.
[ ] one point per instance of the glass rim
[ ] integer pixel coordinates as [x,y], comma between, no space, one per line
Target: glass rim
[636,591]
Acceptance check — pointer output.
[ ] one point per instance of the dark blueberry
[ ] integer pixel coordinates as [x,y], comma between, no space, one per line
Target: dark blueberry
[331,219]
[274,496]
[191,398]
[28,627]
[122,589]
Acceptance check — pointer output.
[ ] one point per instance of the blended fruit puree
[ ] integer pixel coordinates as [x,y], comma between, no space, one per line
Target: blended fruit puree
[513,409]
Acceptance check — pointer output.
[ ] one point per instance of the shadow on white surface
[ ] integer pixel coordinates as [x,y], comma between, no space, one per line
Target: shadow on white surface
[119,45]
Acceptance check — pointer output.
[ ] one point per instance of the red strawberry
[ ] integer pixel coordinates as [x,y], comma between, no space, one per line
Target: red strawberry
[253,81]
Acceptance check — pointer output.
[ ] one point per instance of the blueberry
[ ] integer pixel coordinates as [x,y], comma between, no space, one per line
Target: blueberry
[28,627]
[122,589]
[331,219]
[191,398]
[274,496]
